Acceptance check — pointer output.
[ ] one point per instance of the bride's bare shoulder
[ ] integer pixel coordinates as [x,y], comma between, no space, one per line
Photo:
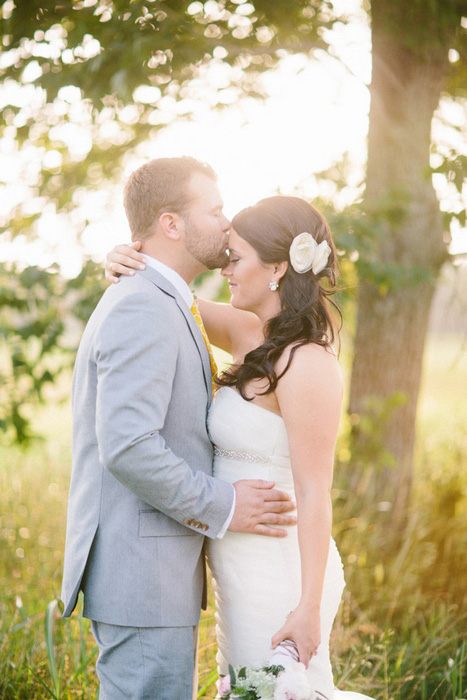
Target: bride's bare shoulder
[312,366]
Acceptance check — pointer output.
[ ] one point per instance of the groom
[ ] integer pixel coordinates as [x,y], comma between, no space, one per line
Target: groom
[142,497]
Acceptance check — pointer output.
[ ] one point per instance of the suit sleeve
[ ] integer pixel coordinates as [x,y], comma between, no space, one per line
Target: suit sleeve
[136,363]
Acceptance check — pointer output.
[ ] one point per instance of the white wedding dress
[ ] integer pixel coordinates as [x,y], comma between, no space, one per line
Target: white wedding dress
[257,578]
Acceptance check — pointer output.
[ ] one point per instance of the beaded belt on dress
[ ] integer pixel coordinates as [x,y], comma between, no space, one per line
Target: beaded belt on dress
[242,456]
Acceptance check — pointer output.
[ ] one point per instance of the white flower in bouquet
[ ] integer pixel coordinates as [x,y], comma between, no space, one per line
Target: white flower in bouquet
[258,680]
[293,684]
[267,683]
[262,682]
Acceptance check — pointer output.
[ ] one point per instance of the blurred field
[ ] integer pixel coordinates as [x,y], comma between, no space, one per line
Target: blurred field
[402,628]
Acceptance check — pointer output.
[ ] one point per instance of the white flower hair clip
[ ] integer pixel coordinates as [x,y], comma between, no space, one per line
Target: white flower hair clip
[305,254]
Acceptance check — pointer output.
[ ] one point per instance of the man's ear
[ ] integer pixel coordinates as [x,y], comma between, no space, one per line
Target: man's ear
[172,225]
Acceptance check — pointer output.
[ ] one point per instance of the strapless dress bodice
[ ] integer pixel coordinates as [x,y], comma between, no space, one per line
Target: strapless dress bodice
[232,421]
[250,442]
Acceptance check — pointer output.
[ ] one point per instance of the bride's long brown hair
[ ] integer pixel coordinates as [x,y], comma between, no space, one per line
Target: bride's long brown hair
[270,227]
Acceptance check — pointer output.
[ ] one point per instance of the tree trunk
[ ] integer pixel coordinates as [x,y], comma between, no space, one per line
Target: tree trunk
[393,315]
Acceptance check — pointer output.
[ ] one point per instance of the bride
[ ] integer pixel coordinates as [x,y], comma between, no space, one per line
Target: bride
[275,417]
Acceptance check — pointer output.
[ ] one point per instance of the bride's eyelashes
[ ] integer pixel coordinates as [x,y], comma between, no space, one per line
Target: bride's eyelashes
[233,256]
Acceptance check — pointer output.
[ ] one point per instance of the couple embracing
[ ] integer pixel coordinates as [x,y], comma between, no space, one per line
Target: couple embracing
[163,475]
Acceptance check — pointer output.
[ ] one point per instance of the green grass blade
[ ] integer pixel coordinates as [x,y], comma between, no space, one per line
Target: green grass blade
[83,665]
[31,670]
[210,680]
[49,643]
[20,608]
[70,642]
[82,646]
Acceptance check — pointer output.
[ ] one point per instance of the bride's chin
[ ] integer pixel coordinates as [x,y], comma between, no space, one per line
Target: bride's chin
[236,304]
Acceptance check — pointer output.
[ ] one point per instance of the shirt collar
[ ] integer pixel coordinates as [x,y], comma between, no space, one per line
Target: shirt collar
[173,277]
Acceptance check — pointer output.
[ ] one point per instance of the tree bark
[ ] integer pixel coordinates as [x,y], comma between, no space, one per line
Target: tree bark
[393,316]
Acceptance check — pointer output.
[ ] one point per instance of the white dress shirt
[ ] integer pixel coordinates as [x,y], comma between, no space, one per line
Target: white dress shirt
[183,289]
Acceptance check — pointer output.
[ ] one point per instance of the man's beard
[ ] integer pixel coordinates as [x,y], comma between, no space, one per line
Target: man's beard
[204,249]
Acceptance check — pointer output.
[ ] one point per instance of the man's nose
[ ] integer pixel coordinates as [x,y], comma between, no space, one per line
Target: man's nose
[226,225]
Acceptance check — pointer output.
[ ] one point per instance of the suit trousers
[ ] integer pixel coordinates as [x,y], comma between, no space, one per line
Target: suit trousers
[146,663]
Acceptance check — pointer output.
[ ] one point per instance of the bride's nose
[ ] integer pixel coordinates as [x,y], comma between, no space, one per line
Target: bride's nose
[227,270]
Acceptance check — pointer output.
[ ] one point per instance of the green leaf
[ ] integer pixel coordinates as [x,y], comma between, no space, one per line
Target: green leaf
[233,679]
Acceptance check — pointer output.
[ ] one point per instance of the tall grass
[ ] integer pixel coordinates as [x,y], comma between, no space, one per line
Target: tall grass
[402,628]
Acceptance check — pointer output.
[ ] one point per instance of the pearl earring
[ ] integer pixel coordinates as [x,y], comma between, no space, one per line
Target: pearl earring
[273,286]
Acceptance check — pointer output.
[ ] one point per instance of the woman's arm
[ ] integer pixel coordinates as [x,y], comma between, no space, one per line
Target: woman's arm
[227,328]
[310,396]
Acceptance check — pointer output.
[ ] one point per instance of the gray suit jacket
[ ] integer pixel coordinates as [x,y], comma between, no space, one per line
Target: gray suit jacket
[142,497]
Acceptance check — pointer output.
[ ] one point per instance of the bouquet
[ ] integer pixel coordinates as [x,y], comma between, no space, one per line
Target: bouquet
[267,683]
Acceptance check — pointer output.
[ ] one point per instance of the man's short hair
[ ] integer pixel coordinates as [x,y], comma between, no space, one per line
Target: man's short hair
[157,187]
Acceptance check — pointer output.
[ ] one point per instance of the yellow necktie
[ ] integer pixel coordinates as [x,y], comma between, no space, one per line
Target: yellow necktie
[197,316]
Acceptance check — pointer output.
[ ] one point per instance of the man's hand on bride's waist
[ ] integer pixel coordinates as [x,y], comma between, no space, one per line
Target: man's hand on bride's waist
[261,509]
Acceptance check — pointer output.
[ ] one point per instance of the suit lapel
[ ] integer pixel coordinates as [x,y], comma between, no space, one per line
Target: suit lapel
[164,285]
